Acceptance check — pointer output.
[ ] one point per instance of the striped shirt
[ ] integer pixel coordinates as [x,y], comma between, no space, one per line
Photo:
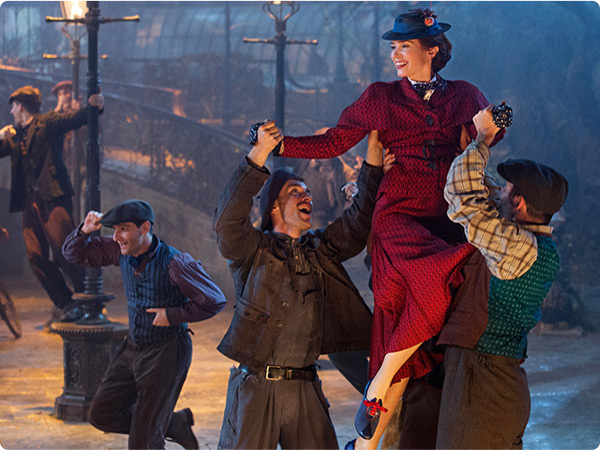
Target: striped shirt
[509,248]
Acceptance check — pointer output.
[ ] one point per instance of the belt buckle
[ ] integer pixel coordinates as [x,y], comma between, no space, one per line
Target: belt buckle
[268,375]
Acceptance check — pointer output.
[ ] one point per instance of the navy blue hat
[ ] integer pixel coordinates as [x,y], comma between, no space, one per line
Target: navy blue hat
[415,24]
[136,211]
[542,187]
[27,94]
[269,194]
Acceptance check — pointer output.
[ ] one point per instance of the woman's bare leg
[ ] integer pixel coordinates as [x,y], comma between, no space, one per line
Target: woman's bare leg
[391,364]
[391,394]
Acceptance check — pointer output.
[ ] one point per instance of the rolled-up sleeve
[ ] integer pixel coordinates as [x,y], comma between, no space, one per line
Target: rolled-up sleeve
[205,297]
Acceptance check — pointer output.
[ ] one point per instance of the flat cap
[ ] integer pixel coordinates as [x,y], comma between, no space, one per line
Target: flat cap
[26,94]
[136,211]
[65,84]
[542,187]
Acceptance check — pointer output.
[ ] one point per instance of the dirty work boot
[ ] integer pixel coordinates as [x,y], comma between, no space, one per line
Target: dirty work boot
[71,314]
[180,429]
[56,316]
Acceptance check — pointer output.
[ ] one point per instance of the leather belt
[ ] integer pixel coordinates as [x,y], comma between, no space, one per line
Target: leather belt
[279,373]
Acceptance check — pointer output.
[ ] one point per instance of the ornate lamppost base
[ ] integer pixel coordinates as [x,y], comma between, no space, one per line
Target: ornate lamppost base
[87,352]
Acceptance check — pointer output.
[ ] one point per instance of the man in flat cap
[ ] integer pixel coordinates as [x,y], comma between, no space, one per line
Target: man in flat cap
[294,300]
[485,397]
[165,289]
[63,91]
[41,189]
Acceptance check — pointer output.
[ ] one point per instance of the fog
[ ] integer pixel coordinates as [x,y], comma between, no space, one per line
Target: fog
[182,88]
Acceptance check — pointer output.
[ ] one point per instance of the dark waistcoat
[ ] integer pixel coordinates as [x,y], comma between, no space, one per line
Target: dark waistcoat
[150,287]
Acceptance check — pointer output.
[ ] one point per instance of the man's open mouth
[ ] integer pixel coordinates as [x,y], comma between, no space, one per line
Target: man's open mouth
[305,208]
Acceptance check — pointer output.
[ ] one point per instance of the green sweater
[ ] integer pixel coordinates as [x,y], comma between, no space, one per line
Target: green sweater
[515,305]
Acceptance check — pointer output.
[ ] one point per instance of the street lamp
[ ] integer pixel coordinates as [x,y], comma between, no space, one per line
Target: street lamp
[87,344]
[72,10]
[89,16]
[276,10]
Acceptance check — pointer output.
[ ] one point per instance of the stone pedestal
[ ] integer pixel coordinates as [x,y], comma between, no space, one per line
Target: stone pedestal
[87,346]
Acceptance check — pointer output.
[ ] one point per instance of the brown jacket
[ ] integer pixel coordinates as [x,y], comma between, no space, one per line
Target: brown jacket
[44,147]
[263,281]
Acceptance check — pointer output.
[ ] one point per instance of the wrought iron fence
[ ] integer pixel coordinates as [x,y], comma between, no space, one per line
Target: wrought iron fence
[170,154]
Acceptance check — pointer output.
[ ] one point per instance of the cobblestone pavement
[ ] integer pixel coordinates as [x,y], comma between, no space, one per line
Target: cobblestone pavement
[564,375]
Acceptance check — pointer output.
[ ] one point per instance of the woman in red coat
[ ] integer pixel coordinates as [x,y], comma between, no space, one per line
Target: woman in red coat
[425,121]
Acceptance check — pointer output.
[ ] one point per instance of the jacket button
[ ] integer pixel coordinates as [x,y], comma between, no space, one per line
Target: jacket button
[429,120]
[285,304]
[279,323]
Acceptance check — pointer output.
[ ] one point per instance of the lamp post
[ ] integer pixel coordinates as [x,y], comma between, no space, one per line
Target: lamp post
[74,10]
[87,344]
[275,10]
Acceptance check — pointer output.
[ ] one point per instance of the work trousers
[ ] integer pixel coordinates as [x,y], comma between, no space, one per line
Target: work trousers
[418,419]
[45,226]
[261,413]
[140,389]
[485,401]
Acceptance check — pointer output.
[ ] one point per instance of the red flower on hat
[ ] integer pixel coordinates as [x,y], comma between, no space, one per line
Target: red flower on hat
[429,18]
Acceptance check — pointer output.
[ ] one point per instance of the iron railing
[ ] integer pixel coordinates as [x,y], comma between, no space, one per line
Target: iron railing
[170,154]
